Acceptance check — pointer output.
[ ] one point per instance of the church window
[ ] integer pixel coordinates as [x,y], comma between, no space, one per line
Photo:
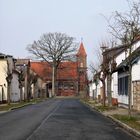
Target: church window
[60,85]
[81,65]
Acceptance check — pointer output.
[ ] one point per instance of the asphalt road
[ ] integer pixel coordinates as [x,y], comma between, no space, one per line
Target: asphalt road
[59,119]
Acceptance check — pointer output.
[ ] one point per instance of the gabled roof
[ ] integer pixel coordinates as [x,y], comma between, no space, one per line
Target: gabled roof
[133,58]
[42,69]
[81,51]
[66,70]
[113,52]
[4,55]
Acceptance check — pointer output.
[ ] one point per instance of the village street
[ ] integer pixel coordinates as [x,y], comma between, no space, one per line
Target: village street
[58,119]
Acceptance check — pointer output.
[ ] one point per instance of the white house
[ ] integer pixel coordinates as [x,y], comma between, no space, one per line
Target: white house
[95,89]
[120,77]
[136,83]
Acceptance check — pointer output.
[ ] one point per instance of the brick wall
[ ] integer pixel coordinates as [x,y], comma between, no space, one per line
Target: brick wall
[66,93]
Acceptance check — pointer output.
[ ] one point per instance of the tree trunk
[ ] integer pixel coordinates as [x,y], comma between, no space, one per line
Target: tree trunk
[9,93]
[54,74]
[129,82]
[34,96]
[104,89]
[20,93]
[109,94]
[96,92]
[27,85]
[104,96]
[26,88]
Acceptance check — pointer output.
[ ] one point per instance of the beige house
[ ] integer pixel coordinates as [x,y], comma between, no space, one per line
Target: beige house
[8,74]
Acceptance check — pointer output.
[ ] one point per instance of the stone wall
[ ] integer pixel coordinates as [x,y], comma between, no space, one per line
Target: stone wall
[136,95]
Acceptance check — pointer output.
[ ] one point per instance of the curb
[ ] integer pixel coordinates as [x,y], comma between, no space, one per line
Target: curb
[2,112]
[13,108]
[125,126]
[121,124]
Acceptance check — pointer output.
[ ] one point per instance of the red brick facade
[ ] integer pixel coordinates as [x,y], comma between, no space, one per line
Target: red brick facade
[71,76]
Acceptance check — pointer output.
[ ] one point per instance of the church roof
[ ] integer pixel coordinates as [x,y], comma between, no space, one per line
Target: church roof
[81,51]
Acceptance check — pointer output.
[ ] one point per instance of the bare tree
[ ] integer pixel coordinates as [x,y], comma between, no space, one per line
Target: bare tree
[96,69]
[54,48]
[21,83]
[126,28]
[94,66]
[103,67]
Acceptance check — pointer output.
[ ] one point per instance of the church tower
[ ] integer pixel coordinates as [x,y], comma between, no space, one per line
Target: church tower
[82,70]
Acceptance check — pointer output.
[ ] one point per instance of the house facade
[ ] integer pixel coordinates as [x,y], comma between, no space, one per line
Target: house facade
[71,76]
[136,84]
[8,79]
[95,90]
[3,82]
[119,75]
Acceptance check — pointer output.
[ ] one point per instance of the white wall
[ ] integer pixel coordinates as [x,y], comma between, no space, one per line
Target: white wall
[123,55]
[114,86]
[136,71]
[120,58]
[92,87]
[91,90]
[123,99]
[135,46]
[99,88]
[15,91]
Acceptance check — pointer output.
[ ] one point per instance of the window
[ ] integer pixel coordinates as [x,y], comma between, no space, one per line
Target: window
[71,86]
[60,85]
[66,86]
[81,65]
[126,85]
[123,85]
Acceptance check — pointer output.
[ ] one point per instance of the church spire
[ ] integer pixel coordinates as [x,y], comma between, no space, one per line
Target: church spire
[81,51]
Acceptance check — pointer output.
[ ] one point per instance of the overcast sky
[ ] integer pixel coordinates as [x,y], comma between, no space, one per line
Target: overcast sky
[23,21]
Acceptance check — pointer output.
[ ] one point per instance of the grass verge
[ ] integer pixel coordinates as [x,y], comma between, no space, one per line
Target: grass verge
[133,121]
[6,107]
[104,108]
[97,105]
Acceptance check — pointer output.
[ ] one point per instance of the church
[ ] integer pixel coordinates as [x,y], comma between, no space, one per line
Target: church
[71,75]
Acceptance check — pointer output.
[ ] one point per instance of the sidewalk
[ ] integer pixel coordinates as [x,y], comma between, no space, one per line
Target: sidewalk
[121,111]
